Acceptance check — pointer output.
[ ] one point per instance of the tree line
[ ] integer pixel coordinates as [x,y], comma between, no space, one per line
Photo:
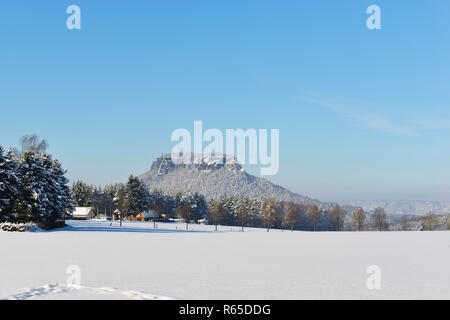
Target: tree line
[134,197]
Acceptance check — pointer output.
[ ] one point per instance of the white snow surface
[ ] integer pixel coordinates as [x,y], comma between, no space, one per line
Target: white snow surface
[136,261]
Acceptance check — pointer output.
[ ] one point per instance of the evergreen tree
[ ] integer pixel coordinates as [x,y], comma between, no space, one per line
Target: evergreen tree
[138,196]
[197,204]
[33,197]
[49,196]
[61,196]
[254,218]
[24,205]
[81,194]
[174,200]
[9,184]
[229,204]
[110,191]
[243,212]
[161,203]
[35,189]
[121,203]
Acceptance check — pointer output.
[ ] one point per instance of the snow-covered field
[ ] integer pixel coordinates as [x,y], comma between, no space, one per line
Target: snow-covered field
[136,261]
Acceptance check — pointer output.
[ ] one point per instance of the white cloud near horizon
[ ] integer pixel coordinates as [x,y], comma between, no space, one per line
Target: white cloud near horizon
[379,122]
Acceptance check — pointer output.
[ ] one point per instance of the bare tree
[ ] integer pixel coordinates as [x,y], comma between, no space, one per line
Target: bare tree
[314,214]
[337,216]
[30,143]
[121,203]
[379,220]
[216,212]
[242,215]
[292,216]
[429,221]
[271,212]
[359,219]
[405,223]
[158,208]
[184,212]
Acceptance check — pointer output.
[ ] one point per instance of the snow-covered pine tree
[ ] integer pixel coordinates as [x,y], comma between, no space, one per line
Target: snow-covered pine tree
[81,194]
[243,211]
[110,191]
[61,195]
[138,195]
[48,197]
[201,209]
[229,204]
[44,188]
[255,218]
[173,201]
[29,205]
[9,184]
[157,201]
[196,203]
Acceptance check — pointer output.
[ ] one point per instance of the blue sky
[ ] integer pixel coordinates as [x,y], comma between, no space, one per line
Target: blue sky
[363,114]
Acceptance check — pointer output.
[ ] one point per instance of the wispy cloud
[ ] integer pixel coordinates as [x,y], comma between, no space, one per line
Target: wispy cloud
[432,123]
[369,120]
[384,124]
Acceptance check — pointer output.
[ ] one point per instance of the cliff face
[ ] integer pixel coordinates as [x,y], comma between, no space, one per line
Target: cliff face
[214,176]
[166,163]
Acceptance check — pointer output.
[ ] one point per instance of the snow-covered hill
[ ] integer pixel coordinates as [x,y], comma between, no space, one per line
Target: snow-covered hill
[213,177]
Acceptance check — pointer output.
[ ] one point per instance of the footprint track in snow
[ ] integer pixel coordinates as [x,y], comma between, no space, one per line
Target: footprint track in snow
[30,293]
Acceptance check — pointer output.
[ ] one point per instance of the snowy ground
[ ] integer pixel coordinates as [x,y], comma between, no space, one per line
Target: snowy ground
[136,261]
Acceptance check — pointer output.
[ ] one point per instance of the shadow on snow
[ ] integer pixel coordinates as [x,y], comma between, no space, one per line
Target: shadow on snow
[87,226]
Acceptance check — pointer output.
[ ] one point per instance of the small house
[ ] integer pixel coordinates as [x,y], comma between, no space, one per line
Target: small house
[83,213]
[146,215]
[116,215]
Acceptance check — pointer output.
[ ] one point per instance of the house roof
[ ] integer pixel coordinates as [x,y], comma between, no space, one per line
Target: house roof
[149,214]
[82,211]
